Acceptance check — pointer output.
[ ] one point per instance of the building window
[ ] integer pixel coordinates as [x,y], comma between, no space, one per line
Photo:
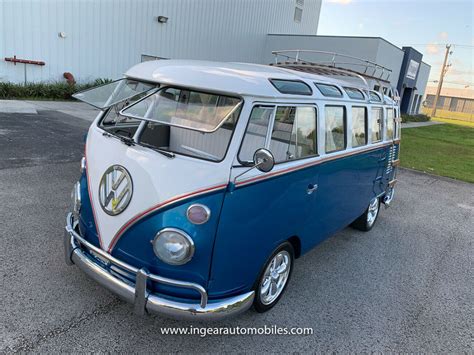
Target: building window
[294,133]
[376,124]
[293,87]
[329,90]
[298,14]
[359,126]
[390,124]
[335,117]
[256,132]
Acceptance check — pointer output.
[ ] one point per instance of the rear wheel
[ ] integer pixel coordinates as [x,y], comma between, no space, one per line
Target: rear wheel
[274,278]
[367,220]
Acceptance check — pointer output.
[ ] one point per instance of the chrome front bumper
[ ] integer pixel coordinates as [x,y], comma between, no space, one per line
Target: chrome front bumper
[137,293]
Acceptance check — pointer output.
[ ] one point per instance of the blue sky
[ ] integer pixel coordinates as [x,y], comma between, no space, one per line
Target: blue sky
[425,25]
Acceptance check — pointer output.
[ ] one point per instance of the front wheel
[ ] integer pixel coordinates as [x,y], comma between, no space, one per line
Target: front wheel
[274,278]
[367,220]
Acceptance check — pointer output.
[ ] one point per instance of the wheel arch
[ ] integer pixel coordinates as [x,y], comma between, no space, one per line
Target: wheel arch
[296,243]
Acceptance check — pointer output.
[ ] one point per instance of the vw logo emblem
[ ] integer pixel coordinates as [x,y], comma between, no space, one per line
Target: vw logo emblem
[115,190]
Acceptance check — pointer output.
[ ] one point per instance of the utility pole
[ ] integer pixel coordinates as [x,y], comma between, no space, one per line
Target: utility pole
[444,70]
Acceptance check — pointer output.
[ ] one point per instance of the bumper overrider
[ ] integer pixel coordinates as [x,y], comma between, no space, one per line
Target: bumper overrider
[78,251]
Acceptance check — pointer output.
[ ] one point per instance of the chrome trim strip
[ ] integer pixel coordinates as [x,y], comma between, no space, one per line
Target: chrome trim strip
[303,163]
[139,296]
[392,183]
[159,206]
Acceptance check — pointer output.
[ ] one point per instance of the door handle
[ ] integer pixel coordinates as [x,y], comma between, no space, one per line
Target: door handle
[311,188]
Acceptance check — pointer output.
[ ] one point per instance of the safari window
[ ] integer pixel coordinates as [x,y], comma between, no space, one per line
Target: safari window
[335,128]
[359,126]
[354,93]
[294,133]
[256,133]
[376,124]
[374,97]
[329,90]
[292,87]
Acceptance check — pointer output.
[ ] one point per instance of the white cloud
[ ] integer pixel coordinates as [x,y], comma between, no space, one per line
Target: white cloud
[432,48]
[443,35]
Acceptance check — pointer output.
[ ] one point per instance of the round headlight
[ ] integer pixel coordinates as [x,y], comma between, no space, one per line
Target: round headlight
[173,246]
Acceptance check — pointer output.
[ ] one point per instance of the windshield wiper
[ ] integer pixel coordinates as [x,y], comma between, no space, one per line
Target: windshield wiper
[161,151]
[125,140]
[130,142]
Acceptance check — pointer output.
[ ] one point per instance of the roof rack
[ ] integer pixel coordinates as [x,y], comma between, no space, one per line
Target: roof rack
[369,70]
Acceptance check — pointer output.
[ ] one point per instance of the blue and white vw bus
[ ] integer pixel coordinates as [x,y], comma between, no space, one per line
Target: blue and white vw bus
[203,182]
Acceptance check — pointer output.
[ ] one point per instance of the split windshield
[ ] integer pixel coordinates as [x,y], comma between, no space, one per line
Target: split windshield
[108,95]
[177,120]
[199,111]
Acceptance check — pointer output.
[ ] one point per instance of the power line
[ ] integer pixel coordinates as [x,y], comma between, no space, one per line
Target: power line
[437,44]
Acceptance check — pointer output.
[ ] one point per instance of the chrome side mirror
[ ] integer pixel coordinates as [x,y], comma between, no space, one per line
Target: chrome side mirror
[263,160]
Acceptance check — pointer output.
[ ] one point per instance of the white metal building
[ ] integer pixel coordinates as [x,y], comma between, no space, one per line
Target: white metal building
[103,38]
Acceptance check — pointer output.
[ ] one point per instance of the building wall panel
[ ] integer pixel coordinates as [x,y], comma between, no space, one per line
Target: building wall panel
[105,37]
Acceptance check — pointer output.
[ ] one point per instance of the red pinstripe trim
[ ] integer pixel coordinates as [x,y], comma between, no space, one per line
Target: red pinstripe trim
[91,199]
[134,219]
[299,167]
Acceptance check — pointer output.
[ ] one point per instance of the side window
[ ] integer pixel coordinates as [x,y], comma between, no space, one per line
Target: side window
[397,124]
[335,128]
[294,133]
[376,124]
[390,124]
[359,126]
[256,133]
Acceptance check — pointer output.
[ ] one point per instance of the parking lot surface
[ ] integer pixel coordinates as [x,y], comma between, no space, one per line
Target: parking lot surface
[406,285]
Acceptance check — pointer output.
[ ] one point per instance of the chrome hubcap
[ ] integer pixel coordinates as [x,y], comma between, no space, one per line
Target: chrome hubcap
[275,277]
[373,211]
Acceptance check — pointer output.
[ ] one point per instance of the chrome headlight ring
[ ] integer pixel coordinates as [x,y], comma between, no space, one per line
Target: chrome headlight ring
[173,246]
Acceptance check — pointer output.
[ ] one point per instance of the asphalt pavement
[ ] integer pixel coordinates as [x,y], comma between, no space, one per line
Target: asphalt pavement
[405,286]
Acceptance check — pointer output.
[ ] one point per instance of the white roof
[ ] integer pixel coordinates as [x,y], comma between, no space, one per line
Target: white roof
[236,78]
